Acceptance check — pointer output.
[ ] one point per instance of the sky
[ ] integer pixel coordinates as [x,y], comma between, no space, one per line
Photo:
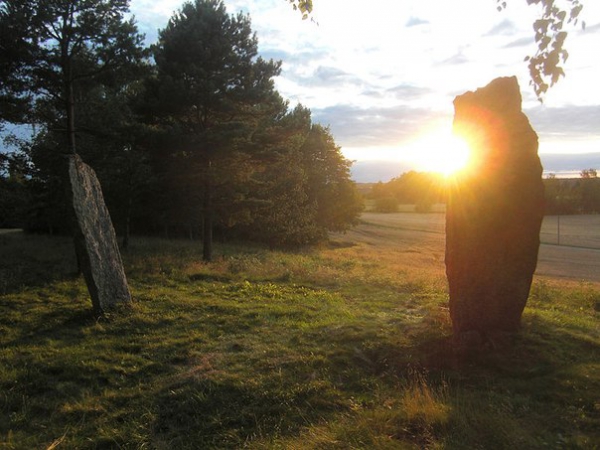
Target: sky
[384,76]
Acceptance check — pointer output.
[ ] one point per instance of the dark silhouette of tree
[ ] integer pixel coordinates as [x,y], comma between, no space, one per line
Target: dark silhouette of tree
[589,187]
[589,173]
[211,89]
[58,51]
[421,189]
[69,52]
[384,203]
[282,214]
[561,196]
[300,187]
[328,181]
[198,141]
[14,195]
[573,195]
[69,70]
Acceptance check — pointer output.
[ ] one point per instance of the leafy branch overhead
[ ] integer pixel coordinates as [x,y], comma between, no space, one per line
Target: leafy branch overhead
[304,6]
[545,67]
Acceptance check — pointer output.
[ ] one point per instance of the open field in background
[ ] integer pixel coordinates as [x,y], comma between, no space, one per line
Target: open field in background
[346,346]
[576,231]
[576,258]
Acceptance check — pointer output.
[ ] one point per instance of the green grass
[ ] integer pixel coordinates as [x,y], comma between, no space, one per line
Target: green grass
[333,348]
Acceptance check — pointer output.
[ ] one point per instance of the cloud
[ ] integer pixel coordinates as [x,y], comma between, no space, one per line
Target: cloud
[276,54]
[558,162]
[373,93]
[458,58]
[408,92]
[379,127]
[304,58]
[565,122]
[352,83]
[151,16]
[374,171]
[504,28]
[357,127]
[403,92]
[415,21]
[522,42]
[327,76]
[591,29]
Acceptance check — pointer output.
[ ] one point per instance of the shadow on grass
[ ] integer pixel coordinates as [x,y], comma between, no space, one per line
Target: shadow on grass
[531,388]
[34,260]
[538,388]
[206,413]
[58,325]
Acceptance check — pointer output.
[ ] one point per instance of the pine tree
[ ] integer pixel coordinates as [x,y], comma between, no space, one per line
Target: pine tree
[211,90]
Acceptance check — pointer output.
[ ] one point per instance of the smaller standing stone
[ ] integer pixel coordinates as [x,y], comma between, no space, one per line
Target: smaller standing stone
[97,249]
[494,212]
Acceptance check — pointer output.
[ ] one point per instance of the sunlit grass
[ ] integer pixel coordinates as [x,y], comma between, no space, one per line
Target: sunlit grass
[345,346]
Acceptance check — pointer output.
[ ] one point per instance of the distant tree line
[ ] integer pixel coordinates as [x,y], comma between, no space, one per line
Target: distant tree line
[573,195]
[188,137]
[423,189]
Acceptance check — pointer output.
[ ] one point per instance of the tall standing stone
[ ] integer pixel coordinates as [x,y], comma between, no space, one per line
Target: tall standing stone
[494,212]
[96,242]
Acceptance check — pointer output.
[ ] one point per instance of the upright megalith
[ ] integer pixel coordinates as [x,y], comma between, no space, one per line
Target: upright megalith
[95,239]
[494,213]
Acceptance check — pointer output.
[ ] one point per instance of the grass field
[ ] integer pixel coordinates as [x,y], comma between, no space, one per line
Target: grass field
[346,346]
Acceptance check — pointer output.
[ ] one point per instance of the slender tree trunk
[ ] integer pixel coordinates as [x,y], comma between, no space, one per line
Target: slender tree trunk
[70,106]
[127,222]
[207,232]
[208,238]
[69,99]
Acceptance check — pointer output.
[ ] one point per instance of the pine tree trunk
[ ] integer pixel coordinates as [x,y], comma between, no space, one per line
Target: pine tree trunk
[127,223]
[207,232]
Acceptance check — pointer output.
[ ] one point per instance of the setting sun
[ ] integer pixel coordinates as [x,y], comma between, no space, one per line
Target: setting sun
[441,152]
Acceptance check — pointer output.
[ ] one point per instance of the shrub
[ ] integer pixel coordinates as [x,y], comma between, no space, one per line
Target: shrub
[386,204]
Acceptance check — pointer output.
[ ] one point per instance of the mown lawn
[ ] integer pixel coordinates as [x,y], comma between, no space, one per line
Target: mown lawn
[331,348]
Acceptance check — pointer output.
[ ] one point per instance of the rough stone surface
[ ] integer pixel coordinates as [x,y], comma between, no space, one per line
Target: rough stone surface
[98,252]
[494,212]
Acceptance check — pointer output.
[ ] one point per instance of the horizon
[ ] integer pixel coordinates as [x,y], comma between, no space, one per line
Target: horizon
[560,165]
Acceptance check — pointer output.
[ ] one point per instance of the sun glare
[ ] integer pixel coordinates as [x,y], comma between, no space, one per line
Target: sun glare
[441,152]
